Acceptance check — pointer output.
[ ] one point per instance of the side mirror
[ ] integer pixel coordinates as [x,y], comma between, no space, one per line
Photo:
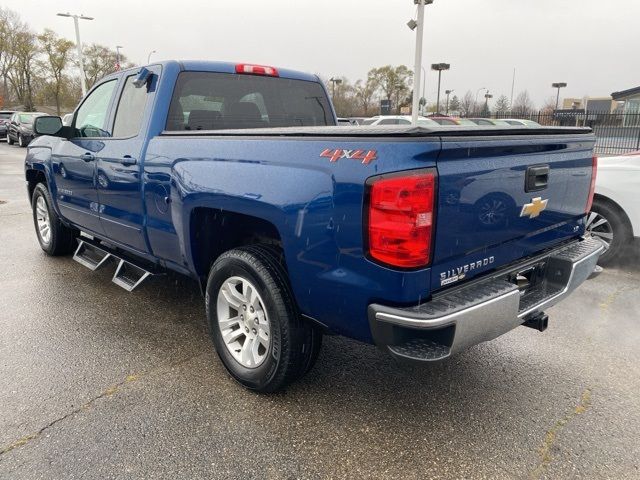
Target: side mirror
[47,125]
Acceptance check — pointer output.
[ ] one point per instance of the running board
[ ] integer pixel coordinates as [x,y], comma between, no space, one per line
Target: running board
[90,256]
[129,276]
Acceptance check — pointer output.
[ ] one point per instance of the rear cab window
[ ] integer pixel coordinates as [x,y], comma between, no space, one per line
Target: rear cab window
[218,101]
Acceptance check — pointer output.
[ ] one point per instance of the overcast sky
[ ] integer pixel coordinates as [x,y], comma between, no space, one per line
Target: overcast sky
[592,45]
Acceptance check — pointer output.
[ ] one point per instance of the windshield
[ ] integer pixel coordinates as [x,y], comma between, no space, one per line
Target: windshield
[5,115]
[27,117]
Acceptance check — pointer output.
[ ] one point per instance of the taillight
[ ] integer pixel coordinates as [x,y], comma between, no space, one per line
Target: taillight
[256,69]
[401,218]
[592,188]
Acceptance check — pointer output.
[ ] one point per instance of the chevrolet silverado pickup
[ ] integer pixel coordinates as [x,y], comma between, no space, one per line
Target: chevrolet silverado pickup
[423,240]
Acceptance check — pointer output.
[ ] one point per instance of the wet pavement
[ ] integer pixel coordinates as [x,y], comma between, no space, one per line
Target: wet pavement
[96,382]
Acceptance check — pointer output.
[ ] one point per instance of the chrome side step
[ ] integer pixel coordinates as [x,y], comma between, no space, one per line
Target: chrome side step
[129,276]
[90,256]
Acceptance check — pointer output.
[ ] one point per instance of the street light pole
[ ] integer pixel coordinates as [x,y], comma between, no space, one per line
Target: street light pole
[83,83]
[448,92]
[475,102]
[334,81]
[487,96]
[558,85]
[149,56]
[439,67]
[417,70]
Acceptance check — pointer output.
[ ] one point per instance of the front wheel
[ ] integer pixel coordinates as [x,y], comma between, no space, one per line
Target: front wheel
[255,324]
[54,237]
[9,141]
[21,141]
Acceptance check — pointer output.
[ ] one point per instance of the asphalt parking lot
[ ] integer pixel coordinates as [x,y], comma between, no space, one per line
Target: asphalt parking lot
[96,382]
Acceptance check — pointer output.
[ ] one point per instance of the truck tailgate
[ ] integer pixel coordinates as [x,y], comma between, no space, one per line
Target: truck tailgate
[488,215]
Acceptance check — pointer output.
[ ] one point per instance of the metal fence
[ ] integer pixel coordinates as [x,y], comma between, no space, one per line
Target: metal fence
[616,133]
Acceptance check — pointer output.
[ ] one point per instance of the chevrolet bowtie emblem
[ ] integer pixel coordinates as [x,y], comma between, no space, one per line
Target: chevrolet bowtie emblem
[533,209]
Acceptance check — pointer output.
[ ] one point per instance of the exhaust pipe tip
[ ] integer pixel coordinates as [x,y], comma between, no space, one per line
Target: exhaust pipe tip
[539,321]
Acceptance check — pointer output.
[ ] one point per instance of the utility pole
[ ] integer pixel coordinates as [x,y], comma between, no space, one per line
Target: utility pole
[83,82]
[417,70]
[513,84]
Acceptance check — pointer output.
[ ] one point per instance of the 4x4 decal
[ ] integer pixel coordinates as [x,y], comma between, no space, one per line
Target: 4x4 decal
[336,154]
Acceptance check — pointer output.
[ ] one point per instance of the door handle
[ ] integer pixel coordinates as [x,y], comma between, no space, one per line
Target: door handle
[87,157]
[128,160]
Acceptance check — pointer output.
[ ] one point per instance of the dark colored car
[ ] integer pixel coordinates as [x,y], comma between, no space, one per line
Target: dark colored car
[20,127]
[5,115]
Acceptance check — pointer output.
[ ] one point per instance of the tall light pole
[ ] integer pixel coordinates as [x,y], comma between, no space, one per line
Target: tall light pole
[439,67]
[558,85]
[118,47]
[334,81]
[487,96]
[83,84]
[417,70]
[448,92]
[475,102]
[149,56]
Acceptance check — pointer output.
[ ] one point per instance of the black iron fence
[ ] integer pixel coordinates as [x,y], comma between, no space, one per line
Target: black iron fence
[616,133]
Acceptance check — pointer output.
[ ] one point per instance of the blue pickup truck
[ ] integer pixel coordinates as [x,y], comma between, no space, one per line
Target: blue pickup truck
[424,241]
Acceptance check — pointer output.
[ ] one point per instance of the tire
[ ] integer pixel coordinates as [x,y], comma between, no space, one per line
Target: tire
[58,239]
[21,142]
[9,141]
[293,344]
[608,223]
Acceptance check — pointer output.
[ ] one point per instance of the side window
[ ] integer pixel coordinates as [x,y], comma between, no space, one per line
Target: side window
[402,121]
[91,118]
[388,121]
[130,109]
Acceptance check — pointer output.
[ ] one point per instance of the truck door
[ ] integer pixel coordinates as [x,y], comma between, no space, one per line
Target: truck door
[73,160]
[119,168]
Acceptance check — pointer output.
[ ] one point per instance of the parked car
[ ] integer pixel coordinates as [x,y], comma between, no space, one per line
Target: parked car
[5,116]
[67,119]
[347,122]
[294,229]
[615,214]
[398,120]
[490,122]
[517,122]
[20,127]
[453,121]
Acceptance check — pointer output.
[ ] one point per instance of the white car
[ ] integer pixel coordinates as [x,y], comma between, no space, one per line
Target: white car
[398,120]
[615,214]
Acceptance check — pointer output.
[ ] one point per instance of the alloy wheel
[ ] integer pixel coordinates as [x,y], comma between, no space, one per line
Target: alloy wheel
[600,228]
[42,218]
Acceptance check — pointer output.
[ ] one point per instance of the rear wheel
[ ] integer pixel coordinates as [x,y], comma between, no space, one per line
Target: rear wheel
[54,237]
[255,324]
[609,224]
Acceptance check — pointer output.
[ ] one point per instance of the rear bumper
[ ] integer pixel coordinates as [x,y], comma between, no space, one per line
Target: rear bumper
[484,309]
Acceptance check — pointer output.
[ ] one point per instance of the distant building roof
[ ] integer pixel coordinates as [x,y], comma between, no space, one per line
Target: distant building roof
[623,94]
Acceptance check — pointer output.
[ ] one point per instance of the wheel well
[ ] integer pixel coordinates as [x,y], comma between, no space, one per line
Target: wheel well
[617,208]
[214,231]
[34,177]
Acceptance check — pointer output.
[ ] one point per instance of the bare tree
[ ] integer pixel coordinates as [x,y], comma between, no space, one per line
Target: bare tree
[10,25]
[365,93]
[100,61]
[502,104]
[522,105]
[24,70]
[395,82]
[454,104]
[57,54]
[467,104]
